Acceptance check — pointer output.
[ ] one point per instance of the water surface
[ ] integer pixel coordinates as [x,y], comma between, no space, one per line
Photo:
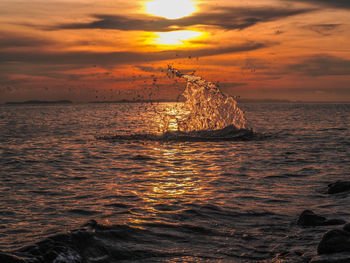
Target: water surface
[176,201]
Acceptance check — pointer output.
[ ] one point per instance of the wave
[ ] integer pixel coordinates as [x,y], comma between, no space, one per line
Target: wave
[97,243]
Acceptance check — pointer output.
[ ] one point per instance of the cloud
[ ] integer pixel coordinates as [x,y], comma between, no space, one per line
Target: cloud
[323,29]
[150,69]
[230,85]
[343,4]
[322,65]
[228,18]
[10,40]
[117,58]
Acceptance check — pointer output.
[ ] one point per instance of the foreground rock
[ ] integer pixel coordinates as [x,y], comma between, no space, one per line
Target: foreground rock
[334,241]
[91,243]
[338,187]
[334,247]
[309,218]
[78,246]
[6,258]
[347,227]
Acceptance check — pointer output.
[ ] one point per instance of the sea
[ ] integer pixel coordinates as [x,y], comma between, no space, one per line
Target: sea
[70,191]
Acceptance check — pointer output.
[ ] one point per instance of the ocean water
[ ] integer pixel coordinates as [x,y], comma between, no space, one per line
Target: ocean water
[168,201]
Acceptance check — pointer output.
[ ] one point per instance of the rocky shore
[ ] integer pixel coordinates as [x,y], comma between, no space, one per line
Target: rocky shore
[335,244]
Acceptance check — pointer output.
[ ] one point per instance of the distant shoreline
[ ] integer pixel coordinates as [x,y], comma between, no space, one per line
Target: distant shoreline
[238,100]
[41,102]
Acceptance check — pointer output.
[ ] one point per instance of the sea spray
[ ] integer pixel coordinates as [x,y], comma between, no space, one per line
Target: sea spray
[205,114]
[206,107]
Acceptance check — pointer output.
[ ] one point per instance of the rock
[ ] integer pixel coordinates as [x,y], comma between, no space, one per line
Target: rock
[334,241]
[332,258]
[347,227]
[309,218]
[338,187]
[6,258]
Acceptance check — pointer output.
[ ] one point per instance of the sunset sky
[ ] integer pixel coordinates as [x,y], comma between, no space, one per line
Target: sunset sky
[87,50]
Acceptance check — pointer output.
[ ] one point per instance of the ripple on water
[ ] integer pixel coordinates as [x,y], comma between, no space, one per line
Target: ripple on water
[174,200]
[83,212]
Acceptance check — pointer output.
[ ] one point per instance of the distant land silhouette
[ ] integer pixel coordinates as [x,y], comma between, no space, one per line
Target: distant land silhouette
[242,100]
[174,100]
[239,100]
[34,102]
[133,101]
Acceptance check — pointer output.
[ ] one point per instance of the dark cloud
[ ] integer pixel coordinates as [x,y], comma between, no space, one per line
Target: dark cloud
[115,58]
[322,65]
[10,40]
[228,18]
[151,69]
[230,85]
[345,4]
[323,29]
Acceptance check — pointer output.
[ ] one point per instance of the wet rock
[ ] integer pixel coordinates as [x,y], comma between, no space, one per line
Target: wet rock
[309,218]
[347,227]
[103,259]
[338,187]
[6,258]
[68,256]
[334,247]
[332,258]
[74,247]
[334,241]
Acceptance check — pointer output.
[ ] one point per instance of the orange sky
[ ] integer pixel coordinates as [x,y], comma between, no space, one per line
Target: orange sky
[86,50]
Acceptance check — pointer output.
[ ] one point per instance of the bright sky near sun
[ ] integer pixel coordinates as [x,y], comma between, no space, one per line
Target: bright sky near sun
[86,50]
[170,9]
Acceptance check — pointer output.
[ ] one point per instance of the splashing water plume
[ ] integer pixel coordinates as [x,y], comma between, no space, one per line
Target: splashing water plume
[208,108]
[207,114]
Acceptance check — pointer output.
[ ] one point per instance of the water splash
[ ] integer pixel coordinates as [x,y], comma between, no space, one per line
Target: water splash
[207,114]
[208,109]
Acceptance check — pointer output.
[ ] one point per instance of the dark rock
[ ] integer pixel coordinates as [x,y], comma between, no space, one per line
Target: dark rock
[338,187]
[6,258]
[309,218]
[77,246]
[103,259]
[50,255]
[60,238]
[334,241]
[347,227]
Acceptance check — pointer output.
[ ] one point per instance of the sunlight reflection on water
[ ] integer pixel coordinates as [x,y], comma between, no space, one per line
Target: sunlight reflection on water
[223,198]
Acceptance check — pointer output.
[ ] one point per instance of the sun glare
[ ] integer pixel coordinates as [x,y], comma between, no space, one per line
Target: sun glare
[175,37]
[171,9]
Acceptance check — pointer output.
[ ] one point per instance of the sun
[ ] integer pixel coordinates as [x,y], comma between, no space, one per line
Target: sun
[170,9]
